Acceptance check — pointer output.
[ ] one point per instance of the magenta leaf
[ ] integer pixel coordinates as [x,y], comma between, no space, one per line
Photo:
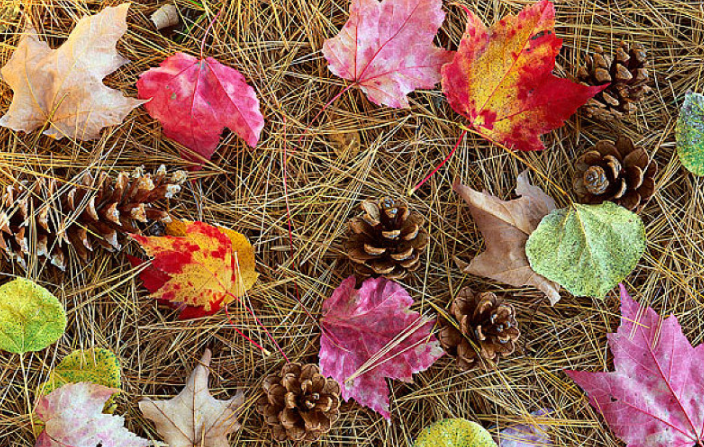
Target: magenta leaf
[370,334]
[386,48]
[654,396]
[196,99]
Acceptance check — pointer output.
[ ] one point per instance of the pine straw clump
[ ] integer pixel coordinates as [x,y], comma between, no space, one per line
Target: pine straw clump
[356,151]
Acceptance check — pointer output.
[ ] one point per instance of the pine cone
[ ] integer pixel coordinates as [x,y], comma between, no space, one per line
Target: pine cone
[299,403]
[487,329]
[387,240]
[619,172]
[627,74]
[83,214]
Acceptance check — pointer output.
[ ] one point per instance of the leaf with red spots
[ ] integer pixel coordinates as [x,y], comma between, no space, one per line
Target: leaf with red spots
[386,48]
[196,99]
[653,396]
[371,334]
[501,79]
[197,268]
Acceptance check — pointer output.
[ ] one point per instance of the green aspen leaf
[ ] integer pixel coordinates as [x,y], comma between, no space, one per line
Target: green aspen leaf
[690,134]
[31,318]
[587,249]
[98,365]
[454,433]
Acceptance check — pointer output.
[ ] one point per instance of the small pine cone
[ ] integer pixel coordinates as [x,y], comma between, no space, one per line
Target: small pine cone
[619,172]
[487,330]
[628,78]
[299,403]
[387,240]
[44,217]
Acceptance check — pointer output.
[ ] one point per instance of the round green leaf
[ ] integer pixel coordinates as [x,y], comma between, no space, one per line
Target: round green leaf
[454,433]
[690,134]
[99,366]
[31,318]
[587,249]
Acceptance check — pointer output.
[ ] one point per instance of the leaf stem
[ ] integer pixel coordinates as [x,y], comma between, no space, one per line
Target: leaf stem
[207,31]
[442,163]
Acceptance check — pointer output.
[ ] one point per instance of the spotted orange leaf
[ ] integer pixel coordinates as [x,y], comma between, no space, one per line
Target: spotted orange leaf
[501,78]
[197,268]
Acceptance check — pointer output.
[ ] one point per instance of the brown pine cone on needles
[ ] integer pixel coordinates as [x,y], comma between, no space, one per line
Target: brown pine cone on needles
[44,218]
[486,330]
[299,403]
[627,75]
[387,240]
[619,172]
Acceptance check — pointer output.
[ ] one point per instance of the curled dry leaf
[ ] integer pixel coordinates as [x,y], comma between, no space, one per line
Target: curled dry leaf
[506,226]
[194,417]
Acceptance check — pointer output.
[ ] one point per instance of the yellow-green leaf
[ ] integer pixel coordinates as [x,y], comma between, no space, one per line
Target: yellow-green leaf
[98,365]
[31,318]
[455,433]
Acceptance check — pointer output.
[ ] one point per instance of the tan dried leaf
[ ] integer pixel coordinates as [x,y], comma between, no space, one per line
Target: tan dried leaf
[194,417]
[506,226]
[63,88]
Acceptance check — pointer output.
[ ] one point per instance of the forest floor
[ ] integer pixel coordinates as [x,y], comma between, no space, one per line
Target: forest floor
[354,151]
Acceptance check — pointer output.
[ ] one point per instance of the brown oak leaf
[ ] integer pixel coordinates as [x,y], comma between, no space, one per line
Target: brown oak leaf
[194,417]
[506,226]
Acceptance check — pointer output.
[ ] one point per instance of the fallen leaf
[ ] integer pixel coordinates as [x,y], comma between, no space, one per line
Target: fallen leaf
[95,365]
[73,417]
[194,417]
[64,87]
[525,435]
[653,396]
[196,99]
[501,78]
[386,48]
[690,134]
[371,334]
[454,433]
[587,249]
[31,318]
[197,268]
[506,225]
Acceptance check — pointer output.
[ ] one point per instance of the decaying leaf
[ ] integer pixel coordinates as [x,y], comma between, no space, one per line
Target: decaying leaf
[587,249]
[690,134]
[31,318]
[501,78]
[371,334]
[386,48]
[95,365]
[506,226]
[196,99]
[194,417]
[72,416]
[454,433]
[653,396]
[527,435]
[197,268]
[63,88]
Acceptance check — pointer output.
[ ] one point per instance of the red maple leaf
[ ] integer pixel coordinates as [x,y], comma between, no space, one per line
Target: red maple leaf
[370,334]
[386,48]
[196,99]
[501,79]
[654,396]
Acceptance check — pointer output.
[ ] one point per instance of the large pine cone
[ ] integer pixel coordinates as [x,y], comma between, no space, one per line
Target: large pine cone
[299,403]
[487,330]
[387,240]
[619,172]
[43,217]
[628,78]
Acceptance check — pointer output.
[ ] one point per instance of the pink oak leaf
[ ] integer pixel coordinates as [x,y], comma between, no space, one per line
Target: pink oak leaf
[196,99]
[370,334]
[386,48]
[73,416]
[653,398]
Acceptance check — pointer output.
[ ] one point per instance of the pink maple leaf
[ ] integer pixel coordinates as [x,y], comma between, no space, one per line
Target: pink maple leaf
[370,334]
[653,398]
[386,48]
[196,99]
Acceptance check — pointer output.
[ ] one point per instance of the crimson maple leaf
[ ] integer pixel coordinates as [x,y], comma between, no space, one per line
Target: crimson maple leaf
[501,78]
[370,334]
[386,48]
[653,398]
[195,99]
